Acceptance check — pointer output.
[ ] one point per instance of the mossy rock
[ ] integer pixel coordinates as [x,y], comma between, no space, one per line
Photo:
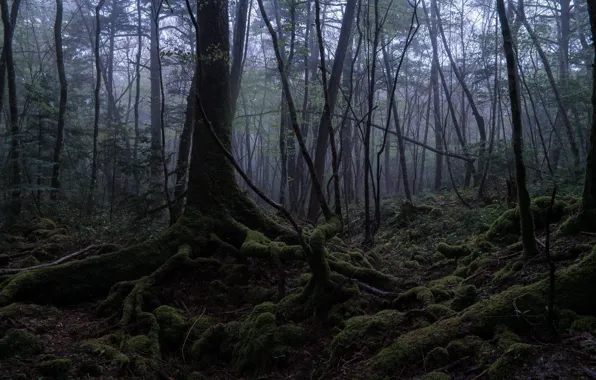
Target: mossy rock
[461,271]
[505,338]
[172,327]
[436,358]
[369,331]
[436,376]
[19,343]
[442,289]
[453,251]
[574,284]
[341,312]
[412,264]
[259,294]
[507,272]
[235,274]
[263,344]
[216,343]
[57,369]
[142,350]
[42,224]
[440,311]
[464,296]
[470,345]
[518,356]
[89,368]
[104,348]
[479,264]
[415,298]
[587,323]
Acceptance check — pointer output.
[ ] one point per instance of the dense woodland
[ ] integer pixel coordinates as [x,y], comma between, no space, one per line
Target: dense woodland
[380,189]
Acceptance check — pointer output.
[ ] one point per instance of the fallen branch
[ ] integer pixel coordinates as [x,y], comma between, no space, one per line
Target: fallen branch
[59,261]
[375,291]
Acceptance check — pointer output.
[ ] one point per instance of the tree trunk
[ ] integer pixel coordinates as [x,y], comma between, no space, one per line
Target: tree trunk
[62,104]
[434,81]
[332,90]
[13,111]
[156,182]
[524,202]
[238,52]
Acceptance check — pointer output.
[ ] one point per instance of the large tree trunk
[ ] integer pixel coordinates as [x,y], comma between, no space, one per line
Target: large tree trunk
[524,202]
[62,104]
[434,81]
[238,52]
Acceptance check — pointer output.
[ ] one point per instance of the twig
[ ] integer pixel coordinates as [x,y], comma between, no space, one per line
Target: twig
[59,261]
[188,333]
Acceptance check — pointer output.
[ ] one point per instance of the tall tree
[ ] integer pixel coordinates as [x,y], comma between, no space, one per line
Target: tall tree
[524,201]
[62,103]
[156,181]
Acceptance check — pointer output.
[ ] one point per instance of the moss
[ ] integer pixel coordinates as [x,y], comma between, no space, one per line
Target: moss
[235,274]
[172,327]
[574,286]
[412,264]
[440,311]
[102,347]
[142,350]
[19,343]
[461,271]
[506,223]
[89,368]
[368,275]
[304,279]
[417,298]
[470,345]
[29,261]
[341,312]
[81,280]
[368,331]
[18,310]
[505,338]
[584,324]
[446,283]
[436,358]
[464,297]
[57,369]
[453,251]
[519,355]
[479,264]
[436,376]
[508,271]
[216,343]
[43,224]
[263,344]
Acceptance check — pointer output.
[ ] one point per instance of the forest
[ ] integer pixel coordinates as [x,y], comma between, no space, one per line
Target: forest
[287,189]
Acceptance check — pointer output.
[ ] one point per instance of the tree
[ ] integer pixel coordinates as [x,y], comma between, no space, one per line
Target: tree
[13,109]
[62,103]
[524,201]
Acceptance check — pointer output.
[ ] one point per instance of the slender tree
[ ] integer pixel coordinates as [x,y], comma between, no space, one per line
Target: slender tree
[524,201]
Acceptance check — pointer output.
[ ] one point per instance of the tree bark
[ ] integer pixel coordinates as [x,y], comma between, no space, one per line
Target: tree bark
[63,99]
[524,201]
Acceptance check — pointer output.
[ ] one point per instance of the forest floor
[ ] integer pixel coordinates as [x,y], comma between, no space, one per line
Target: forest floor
[452,264]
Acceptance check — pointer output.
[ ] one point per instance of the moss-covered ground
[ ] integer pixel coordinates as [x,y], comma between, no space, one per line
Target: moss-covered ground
[443,294]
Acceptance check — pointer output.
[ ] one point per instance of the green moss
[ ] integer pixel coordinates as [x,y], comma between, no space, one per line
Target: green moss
[464,297]
[417,298]
[440,311]
[19,343]
[19,310]
[235,274]
[453,251]
[505,338]
[57,369]
[43,224]
[436,376]
[470,345]
[507,272]
[304,279]
[216,343]
[142,350]
[258,294]
[437,358]
[507,223]
[519,355]
[461,271]
[172,327]
[29,261]
[341,312]
[584,324]
[442,289]
[82,280]
[103,347]
[479,264]
[412,264]
[368,331]
[368,275]
[263,344]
